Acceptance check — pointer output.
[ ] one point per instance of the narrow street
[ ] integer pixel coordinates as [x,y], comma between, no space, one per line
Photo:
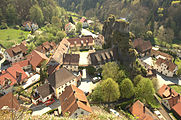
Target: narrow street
[163,111]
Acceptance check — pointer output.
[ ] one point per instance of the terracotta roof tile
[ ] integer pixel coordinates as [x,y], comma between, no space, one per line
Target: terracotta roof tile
[156,53]
[72,99]
[10,101]
[177,109]
[170,65]
[22,63]
[142,45]
[141,112]
[36,58]
[18,48]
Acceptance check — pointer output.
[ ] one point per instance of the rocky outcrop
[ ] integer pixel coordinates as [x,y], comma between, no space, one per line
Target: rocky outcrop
[116,33]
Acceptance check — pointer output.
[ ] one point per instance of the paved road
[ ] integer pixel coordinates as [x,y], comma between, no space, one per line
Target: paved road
[163,111]
[41,109]
[166,80]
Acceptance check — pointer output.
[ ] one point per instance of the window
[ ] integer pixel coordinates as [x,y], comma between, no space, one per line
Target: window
[75,114]
[82,112]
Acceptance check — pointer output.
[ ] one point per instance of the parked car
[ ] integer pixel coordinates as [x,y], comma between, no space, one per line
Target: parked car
[96,79]
[114,112]
[159,115]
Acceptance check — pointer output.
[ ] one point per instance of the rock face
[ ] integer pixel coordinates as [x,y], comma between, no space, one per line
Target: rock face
[116,33]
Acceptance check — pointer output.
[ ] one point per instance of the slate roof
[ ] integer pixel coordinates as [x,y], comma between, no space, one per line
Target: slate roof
[13,51]
[142,45]
[140,111]
[45,90]
[71,59]
[103,56]
[72,99]
[10,101]
[60,77]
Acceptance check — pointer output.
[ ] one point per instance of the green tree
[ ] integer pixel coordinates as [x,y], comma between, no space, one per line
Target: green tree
[110,70]
[11,14]
[155,83]
[144,90]
[106,91]
[137,79]
[79,27]
[31,47]
[43,72]
[127,88]
[179,72]
[60,35]
[121,76]
[36,14]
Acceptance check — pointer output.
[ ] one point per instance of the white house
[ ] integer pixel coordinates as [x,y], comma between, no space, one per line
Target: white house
[16,53]
[165,67]
[60,79]
[43,94]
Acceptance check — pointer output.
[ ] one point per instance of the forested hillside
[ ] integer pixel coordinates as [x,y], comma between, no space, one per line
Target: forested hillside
[15,12]
[156,20]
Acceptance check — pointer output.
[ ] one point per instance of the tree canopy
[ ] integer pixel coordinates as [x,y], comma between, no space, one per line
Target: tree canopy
[127,88]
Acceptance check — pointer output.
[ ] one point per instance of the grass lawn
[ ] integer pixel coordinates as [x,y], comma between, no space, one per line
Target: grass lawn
[176,88]
[9,37]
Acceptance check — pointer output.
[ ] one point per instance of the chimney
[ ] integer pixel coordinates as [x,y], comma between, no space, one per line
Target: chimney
[144,109]
[18,77]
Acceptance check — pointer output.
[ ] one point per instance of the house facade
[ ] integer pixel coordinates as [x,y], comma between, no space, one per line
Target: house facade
[16,53]
[60,79]
[165,67]
[69,27]
[43,94]
[74,102]
[71,62]
[81,43]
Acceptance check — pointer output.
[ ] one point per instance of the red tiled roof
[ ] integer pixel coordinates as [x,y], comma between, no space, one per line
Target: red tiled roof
[164,88]
[46,46]
[22,63]
[10,101]
[17,68]
[177,109]
[142,45]
[18,48]
[171,66]
[36,58]
[72,99]
[79,41]
[8,76]
[141,112]
[156,53]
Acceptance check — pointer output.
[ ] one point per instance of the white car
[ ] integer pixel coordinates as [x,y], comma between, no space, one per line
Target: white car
[114,112]
[96,79]
[159,115]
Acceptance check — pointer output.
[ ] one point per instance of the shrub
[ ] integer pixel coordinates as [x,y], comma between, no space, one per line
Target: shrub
[3,25]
